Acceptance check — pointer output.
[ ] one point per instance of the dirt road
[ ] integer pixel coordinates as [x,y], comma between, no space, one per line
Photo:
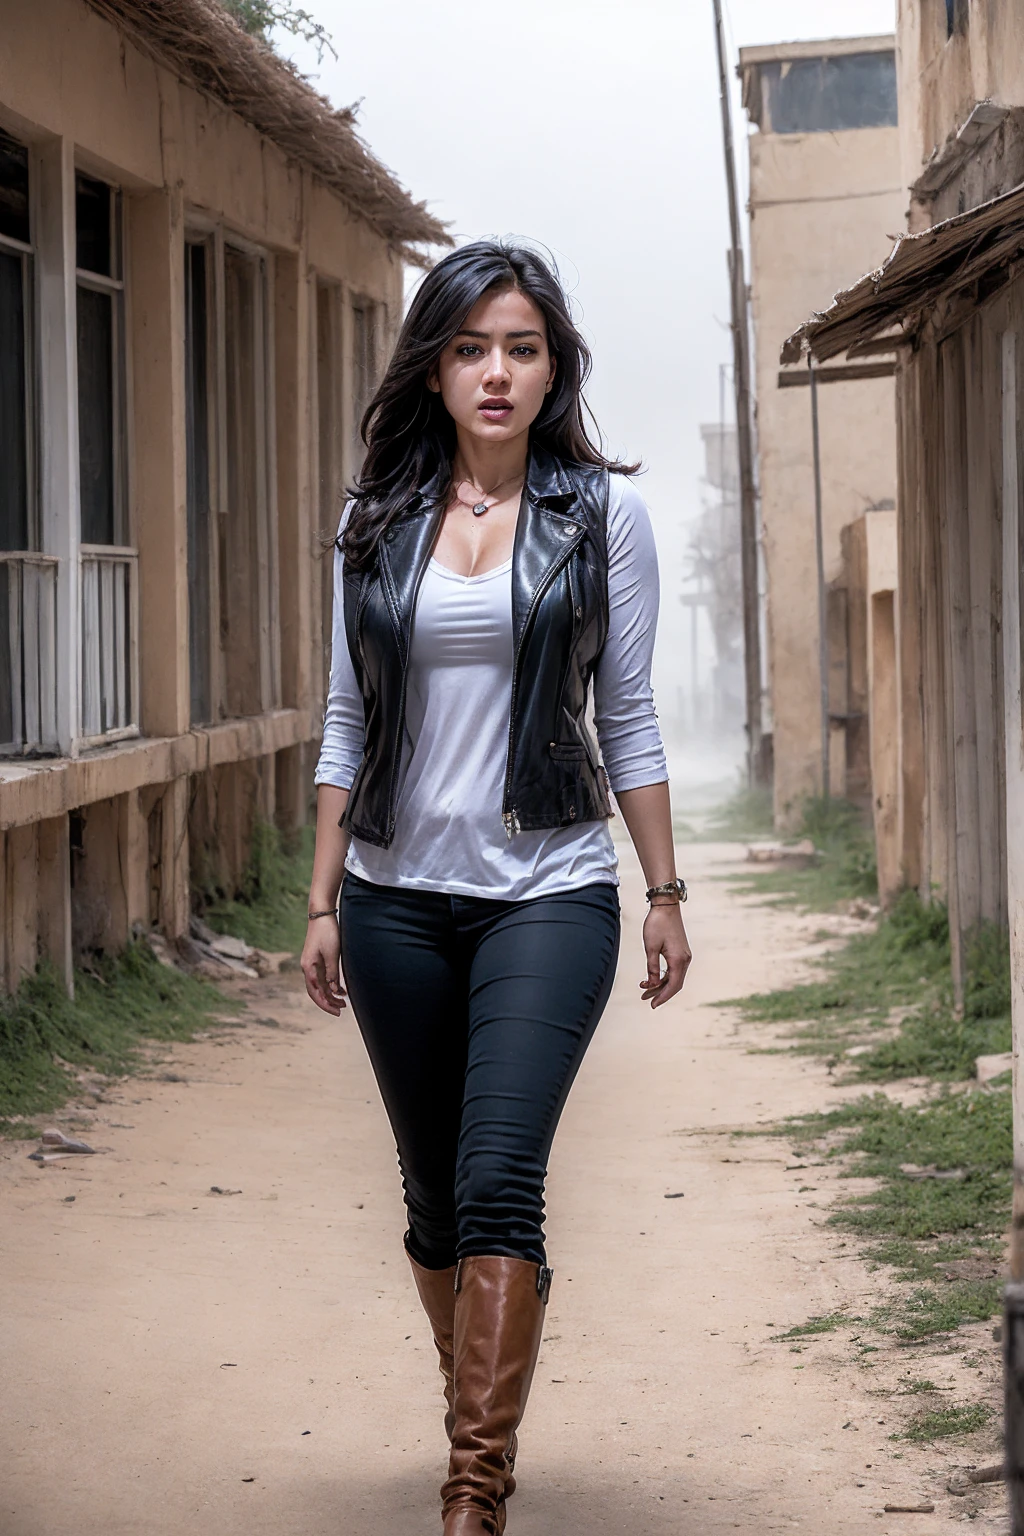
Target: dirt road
[178,1361]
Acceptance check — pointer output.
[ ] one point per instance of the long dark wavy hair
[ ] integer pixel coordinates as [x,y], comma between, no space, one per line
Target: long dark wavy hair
[407,430]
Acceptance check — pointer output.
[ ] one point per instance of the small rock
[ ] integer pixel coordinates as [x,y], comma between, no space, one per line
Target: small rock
[988,1067]
[800,854]
[161,950]
[235,949]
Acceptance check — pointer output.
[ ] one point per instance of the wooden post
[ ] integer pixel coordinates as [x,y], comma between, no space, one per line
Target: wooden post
[156,265]
[59,379]
[744,433]
[174,862]
[55,898]
[819,549]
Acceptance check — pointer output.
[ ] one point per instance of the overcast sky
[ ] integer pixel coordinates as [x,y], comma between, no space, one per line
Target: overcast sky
[593,127]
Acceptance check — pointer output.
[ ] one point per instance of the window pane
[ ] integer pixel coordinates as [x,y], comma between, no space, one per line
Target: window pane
[13,189]
[856,90]
[14,533]
[96,416]
[197,432]
[92,226]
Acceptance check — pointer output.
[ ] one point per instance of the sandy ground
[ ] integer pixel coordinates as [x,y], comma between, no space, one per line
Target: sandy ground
[177,1361]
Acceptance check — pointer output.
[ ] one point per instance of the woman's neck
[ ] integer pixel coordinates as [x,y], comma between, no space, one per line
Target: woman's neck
[487,464]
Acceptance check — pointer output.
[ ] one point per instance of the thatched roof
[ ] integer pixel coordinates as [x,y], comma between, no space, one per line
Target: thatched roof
[206,47]
[919,270]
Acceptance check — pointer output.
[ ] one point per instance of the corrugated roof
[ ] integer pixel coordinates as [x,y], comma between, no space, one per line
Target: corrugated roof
[206,47]
[919,270]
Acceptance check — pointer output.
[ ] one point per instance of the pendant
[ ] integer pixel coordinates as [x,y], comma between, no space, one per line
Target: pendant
[480,508]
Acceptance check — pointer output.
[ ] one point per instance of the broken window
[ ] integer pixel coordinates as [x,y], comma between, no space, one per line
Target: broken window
[830,95]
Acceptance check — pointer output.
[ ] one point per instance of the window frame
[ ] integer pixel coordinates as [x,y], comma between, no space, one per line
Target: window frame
[28,254]
[116,289]
[218,237]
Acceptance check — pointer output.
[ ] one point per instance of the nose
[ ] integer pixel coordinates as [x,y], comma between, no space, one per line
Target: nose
[496,374]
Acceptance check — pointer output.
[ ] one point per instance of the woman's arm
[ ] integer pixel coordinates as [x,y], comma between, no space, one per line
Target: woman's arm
[627,729]
[340,755]
[321,953]
[647,813]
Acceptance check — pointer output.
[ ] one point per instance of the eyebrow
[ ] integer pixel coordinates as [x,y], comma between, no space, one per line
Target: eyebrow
[509,335]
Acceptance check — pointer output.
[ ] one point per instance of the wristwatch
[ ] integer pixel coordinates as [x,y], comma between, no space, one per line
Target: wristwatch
[676,888]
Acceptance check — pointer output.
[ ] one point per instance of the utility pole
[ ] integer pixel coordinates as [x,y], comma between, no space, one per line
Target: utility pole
[744,432]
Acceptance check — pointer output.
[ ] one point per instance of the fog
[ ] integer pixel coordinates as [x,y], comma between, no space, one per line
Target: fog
[593,128]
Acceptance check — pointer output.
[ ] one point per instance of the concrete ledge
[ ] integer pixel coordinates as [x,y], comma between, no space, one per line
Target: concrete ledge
[36,791]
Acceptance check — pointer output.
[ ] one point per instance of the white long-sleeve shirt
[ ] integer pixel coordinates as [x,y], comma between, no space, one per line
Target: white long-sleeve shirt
[449,834]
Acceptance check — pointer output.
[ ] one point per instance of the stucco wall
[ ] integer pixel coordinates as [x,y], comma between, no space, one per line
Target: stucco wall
[822,206]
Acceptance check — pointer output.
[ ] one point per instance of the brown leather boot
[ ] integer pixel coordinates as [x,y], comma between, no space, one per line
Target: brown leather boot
[499,1319]
[436,1289]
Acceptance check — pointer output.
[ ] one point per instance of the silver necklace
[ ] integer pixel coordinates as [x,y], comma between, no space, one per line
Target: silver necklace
[478,508]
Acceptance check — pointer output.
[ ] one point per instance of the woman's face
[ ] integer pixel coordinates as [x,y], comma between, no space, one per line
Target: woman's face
[494,374]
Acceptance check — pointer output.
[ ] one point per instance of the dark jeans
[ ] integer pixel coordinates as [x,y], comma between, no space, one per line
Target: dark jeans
[476,1015]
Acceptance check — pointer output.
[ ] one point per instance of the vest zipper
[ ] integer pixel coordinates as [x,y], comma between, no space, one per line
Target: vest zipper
[510,818]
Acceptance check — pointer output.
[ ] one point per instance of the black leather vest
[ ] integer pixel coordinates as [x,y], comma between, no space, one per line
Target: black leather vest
[559,625]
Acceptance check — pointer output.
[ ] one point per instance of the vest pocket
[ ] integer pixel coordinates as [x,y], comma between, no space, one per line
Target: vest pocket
[564,753]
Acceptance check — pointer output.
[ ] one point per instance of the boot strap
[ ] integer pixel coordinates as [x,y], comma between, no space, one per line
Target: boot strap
[545,1275]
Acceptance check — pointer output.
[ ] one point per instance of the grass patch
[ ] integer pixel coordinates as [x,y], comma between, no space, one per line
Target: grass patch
[119,1001]
[813,1325]
[270,910]
[929,1311]
[944,1423]
[941,1200]
[905,958]
[900,970]
[843,869]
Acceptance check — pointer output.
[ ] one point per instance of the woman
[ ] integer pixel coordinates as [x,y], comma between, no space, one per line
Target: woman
[491,565]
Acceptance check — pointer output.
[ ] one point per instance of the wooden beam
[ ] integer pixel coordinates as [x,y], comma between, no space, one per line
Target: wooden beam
[837,373]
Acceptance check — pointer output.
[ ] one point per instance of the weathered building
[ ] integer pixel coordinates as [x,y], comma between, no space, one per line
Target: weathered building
[200,267]
[825,188]
[950,300]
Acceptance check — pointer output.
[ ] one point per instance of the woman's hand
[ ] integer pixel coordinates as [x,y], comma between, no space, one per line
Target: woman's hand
[321,964]
[664,936]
